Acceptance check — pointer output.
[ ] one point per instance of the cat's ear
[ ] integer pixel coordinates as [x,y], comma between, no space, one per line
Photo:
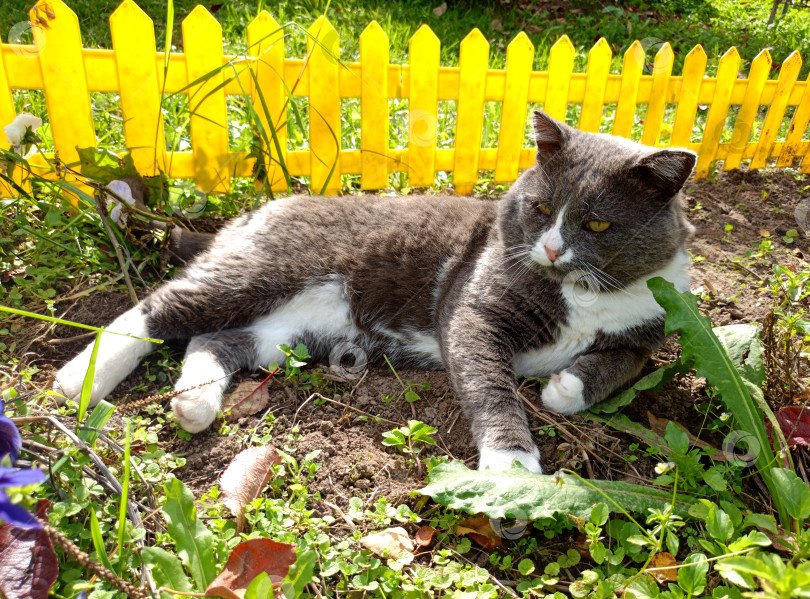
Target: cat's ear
[666,170]
[548,132]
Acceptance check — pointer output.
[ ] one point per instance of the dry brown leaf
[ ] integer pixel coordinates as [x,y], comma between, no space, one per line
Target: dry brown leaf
[392,542]
[424,536]
[664,560]
[440,10]
[479,529]
[245,477]
[247,399]
[764,233]
[249,559]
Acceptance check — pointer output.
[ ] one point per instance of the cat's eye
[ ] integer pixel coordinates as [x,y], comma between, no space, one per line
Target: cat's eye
[597,225]
[544,209]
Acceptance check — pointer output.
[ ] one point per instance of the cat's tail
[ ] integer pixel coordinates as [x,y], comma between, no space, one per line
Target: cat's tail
[118,355]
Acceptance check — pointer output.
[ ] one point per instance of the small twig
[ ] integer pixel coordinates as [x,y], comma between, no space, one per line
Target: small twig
[72,339]
[338,403]
[340,513]
[96,568]
[183,593]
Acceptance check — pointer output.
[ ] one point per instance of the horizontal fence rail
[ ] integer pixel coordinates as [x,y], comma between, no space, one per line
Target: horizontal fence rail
[58,64]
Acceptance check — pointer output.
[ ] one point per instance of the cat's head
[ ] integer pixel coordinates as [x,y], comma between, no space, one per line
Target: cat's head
[596,204]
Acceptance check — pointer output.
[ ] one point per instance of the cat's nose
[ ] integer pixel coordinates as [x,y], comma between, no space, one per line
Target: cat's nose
[552,254]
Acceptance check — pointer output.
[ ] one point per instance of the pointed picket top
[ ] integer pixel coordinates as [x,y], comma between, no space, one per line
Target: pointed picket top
[632,68]
[374,31]
[727,71]
[264,22]
[200,17]
[521,44]
[788,74]
[560,67]
[731,56]
[757,78]
[599,59]
[129,10]
[425,35]
[663,60]
[475,41]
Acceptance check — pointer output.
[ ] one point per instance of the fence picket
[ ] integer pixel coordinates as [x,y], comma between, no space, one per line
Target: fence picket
[133,38]
[662,69]
[7,114]
[324,107]
[519,57]
[787,77]
[473,63]
[202,41]
[560,68]
[266,44]
[713,129]
[632,68]
[64,80]
[423,104]
[798,125]
[374,137]
[757,77]
[694,68]
[598,69]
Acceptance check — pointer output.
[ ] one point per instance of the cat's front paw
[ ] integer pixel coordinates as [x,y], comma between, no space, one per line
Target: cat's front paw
[499,460]
[196,409]
[564,394]
[70,379]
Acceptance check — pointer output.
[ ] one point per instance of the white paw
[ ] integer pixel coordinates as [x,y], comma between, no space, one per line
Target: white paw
[564,394]
[196,409]
[70,378]
[499,460]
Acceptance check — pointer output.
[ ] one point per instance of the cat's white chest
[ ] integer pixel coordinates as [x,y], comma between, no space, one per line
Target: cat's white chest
[592,313]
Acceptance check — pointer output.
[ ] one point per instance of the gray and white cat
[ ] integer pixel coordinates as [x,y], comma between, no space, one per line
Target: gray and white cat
[549,281]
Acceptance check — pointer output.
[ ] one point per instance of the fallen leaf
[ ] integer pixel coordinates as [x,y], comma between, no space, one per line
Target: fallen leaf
[795,424]
[496,25]
[424,536]
[392,542]
[245,477]
[440,10]
[764,233]
[479,529]
[248,398]
[664,560]
[249,559]
[28,564]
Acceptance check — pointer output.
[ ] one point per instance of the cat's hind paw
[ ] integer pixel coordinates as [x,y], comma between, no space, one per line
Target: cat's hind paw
[564,394]
[499,460]
[196,409]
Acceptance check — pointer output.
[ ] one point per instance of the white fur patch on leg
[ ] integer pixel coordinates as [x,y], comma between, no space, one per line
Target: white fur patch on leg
[564,394]
[499,460]
[196,409]
[117,357]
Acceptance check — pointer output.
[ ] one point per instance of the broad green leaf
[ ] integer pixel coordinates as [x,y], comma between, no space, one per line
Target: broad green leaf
[518,493]
[677,438]
[718,524]
[796,493]
[622,423]
[703,349]
[715,479]
[692,573]
[260,588]
[166,570]
[651,382]
[745,350]
[599,514]
[104,165]
[300,575]
[643,587]
[526,566]
[761,521]
[192,539]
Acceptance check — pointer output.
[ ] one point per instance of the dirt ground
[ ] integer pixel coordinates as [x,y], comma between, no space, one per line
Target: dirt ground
[355,463]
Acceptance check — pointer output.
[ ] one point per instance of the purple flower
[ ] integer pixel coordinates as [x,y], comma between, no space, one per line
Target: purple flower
[11,513]
[10,440]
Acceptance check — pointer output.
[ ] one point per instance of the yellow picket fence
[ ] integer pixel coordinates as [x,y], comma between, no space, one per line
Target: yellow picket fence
[134,69]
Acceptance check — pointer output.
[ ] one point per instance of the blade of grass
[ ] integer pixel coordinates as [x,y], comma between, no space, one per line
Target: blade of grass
[98,540]
[87,385]
[122,509]
[73,324]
